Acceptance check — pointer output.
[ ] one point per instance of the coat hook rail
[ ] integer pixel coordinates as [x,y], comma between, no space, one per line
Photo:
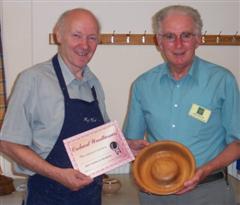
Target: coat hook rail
[150,39]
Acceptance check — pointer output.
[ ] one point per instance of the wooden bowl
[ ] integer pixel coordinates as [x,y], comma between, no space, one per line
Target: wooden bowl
[6,185]
[162,167]
[111,186]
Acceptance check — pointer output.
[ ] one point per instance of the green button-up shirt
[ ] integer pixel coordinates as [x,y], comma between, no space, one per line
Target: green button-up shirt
[160,108]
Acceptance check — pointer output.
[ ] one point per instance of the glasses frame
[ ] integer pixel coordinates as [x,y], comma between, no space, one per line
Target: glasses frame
[172,37]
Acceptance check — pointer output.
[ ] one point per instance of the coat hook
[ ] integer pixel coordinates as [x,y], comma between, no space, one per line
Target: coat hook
[218,37]
[203,37]
[113,37]
[128,37]
[234,37]
[144,37]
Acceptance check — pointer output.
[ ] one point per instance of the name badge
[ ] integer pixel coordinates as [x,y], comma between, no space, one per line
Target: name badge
[199,113]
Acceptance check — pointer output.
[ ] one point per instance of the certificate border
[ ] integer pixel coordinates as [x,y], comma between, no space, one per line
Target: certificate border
[128,157]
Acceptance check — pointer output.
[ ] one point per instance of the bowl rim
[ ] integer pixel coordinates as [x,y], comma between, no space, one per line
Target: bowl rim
[145,155]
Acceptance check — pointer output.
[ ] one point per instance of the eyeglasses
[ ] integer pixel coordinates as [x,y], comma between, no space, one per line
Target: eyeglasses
[184,36]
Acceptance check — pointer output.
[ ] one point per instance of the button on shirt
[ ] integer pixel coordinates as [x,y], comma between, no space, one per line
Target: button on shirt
[160,108]
[35,111]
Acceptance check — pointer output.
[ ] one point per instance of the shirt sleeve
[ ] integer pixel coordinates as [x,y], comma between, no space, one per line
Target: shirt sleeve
[16,125]
[231,109]
[135,126]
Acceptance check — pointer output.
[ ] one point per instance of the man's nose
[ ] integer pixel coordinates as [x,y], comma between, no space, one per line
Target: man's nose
[178,41]
[84,42]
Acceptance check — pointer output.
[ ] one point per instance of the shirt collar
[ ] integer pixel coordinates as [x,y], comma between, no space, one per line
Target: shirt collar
[194,70]
[165,73]
[67,74]
[192,73]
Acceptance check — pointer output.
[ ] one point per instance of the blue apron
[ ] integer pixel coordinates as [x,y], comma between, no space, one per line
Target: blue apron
[80,116]
[238,166]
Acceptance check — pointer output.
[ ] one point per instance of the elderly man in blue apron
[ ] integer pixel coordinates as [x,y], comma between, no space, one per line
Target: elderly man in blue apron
[52,101]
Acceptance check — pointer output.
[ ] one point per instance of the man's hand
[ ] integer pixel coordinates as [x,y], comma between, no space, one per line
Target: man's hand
[192,183]
[72,179]
[25,156]
[137,145]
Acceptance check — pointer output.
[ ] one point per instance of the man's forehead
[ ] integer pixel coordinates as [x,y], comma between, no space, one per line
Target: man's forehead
[80,20]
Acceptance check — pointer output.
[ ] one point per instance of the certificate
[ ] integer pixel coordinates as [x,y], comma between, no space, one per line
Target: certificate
[98,150]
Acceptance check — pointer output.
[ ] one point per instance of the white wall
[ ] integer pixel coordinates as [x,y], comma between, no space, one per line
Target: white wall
[26,25]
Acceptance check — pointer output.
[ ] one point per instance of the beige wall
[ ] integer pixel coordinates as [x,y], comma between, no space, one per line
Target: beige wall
[26,25]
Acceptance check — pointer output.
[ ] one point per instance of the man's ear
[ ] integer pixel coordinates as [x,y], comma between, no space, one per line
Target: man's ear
[199,41]
[159,42]
[58,37]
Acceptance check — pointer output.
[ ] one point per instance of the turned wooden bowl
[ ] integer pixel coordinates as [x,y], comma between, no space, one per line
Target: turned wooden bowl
[6,185]
[162,167]
[111,185]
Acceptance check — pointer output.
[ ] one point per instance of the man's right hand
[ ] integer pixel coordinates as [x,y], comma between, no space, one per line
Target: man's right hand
[137,145]
[72,179]
[23,155]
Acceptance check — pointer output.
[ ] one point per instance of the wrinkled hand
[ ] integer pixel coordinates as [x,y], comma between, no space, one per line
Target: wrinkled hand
[137,145]
[192,183]
[72,179]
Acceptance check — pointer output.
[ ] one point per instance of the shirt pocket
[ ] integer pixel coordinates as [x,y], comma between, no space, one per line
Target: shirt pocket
[200,128]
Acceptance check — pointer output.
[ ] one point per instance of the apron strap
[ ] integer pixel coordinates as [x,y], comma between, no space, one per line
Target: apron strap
[94,94]
[59,74]
[61,80]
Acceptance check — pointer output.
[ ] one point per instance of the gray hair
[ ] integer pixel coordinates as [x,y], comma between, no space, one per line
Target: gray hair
[61,20]
[186,10]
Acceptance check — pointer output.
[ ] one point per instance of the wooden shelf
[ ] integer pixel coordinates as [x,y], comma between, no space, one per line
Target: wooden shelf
[150,39]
